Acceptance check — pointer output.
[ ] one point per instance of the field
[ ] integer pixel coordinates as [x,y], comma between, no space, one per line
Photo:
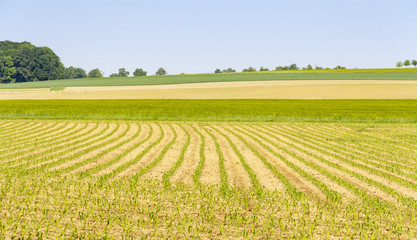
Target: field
[181,179]
[242,110]
[349,74]
[282,89]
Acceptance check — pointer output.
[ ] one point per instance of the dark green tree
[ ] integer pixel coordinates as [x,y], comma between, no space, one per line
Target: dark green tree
[293,67]
[95,73]
[161,72]
[407,63]
[262,69]
[217,71]
[73,73]
[7,70]
[123,72]
[114,75]
[139,72]
[414,63]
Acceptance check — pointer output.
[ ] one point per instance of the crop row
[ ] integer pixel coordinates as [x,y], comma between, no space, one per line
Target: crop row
[326,161]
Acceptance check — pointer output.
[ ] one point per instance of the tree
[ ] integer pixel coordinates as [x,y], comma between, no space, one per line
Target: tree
[229,70]
[319,68]
[95,73]
[249,69]
[407,63]
[399,64]
[217,71]
[114,75]
[39,63]
[309,67]
[339,67]
[7,71]
[24,62]
[161,72]
[293,67]
[414,63]
[123,72]
[139,72]
[262,69]
[73,73]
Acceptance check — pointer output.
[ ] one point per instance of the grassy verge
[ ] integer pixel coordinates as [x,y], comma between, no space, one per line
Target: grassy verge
[215,110]
[347,74]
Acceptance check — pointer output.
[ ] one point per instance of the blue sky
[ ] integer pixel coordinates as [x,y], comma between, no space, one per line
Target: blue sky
[194,36]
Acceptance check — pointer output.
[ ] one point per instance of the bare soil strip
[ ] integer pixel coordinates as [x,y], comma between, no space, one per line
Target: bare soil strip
[298,181]
[384,156]
[116,138]
[266,178]
[395,150]
[131,141]
[151,155]
[211,171]
[393,168]
[43,140]
[237,176]
[371,189]
[191,159]
[69,150]
[31,133]
[37,152]
[134,153]
[20,128]
[398,187]
[170,157]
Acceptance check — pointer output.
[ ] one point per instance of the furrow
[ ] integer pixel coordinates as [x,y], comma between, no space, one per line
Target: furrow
[121,168]
[117,140]
[333,171]
[400,184]
[193,159]
[208,170]
[110,168]
[151,160]
[58,146]
[179,155]
[296,174]
[111,154]
[345,166]
[79,152]
[254,161]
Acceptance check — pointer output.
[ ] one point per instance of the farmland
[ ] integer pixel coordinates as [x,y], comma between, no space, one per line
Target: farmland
[87,178]
[348,74]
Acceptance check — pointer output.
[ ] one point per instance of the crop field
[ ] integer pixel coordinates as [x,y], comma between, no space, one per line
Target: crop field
[348,74]
[282,89]
[183,179]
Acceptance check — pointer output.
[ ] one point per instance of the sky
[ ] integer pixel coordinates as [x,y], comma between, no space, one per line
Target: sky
[196,36]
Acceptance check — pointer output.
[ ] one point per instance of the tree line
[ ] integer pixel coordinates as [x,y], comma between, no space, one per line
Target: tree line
[279,68]
[406,63]
[24,62]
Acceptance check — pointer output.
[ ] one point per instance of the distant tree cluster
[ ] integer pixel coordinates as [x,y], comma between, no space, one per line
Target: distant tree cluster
[229,70]
[279,68]
[406,63]
[24,62]
[139,72]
